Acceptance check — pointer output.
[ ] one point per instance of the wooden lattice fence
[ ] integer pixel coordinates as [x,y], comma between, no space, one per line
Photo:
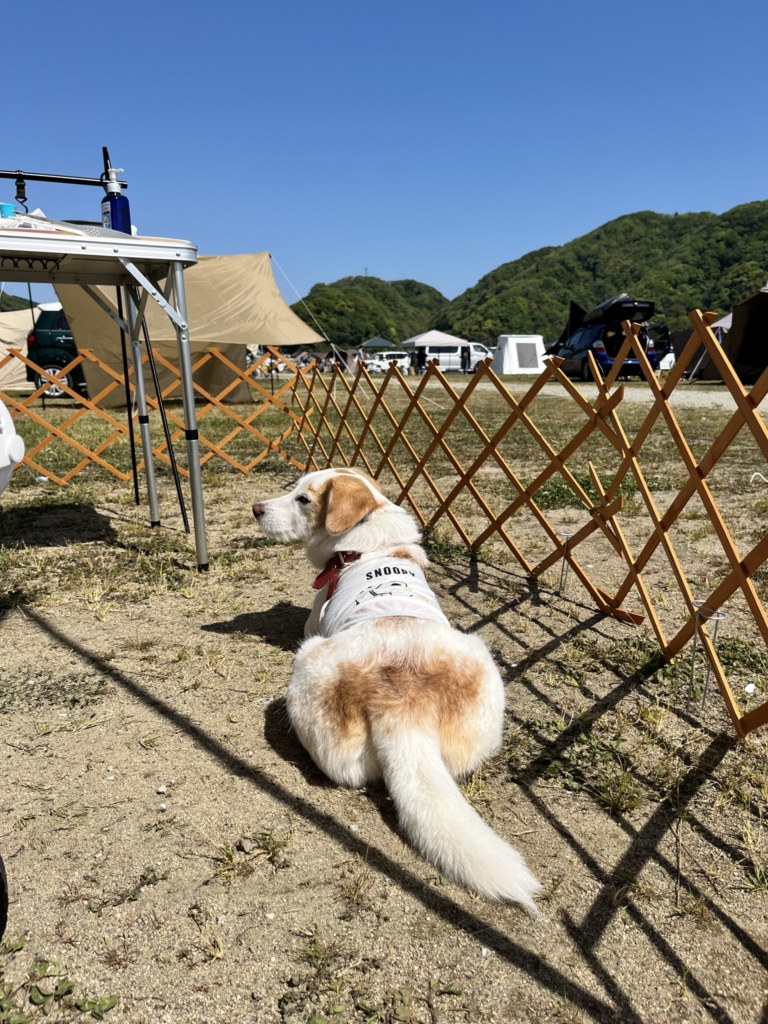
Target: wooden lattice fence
[243,421]
[484,461]
[392,430]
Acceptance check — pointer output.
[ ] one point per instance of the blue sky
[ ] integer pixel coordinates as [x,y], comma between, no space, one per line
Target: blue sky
[420,140]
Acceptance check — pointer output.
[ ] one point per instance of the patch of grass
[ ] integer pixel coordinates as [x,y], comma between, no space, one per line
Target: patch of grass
[210,945]
[756,869]
[119,955]
[139,645]
[225,870]
[637,653]
[557,493]
[443,544]
[356,886]
[77,690]
[551,889]
[325,960]
[98,902]
[742,656]
[47,989]
[617,791]
[696,908]
[272,844]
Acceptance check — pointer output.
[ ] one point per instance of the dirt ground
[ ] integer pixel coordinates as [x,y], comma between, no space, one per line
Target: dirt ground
[170,846]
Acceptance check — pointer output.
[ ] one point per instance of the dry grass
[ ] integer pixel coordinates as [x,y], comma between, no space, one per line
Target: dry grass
[273,897]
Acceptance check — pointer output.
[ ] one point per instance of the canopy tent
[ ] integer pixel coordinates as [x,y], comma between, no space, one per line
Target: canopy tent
[724,323]
[232,302]
[378,343]
[434,339]
[746,343]
[15,325]
[519,353]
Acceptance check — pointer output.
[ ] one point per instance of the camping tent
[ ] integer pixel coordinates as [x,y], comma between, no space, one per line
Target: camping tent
[746,343]
[232,302]
[519,353]
[575,319]
[15,325]
[378,343]
[434,339]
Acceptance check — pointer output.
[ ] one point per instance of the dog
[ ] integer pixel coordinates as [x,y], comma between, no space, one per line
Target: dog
[382,686]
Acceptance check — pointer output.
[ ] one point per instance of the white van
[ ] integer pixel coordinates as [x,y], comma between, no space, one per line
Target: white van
[449,356]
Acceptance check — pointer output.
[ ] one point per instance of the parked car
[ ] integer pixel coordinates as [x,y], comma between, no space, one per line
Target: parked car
[449,356]
[379,363]
[602,333]
[51,346]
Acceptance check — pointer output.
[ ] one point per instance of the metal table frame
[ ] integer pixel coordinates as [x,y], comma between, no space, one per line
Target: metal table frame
[98,256]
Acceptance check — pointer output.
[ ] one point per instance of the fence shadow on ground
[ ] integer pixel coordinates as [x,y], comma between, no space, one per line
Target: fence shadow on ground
[644,845]
[490,475]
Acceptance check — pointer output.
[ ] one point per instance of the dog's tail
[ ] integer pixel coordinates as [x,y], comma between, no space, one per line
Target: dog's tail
[441,824]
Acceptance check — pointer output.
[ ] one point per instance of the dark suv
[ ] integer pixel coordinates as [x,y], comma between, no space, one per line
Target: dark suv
[602,332]
[51,346]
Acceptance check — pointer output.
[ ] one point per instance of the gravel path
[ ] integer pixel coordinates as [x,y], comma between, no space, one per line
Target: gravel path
[683,396]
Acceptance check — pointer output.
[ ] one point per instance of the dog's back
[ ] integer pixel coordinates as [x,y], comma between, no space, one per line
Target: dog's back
[384,686]
[419,704]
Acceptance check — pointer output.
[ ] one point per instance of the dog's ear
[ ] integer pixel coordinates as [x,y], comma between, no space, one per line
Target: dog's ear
[349,501]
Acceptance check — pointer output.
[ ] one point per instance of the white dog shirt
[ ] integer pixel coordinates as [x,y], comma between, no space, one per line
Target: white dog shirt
[377,588]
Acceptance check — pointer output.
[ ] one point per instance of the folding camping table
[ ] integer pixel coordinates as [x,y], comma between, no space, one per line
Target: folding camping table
[36,250]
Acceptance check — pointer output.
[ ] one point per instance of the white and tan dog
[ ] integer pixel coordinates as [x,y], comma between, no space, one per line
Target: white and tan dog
[382,686]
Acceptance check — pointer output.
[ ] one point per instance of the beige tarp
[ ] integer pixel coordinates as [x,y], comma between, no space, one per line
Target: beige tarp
[232,302]
[15,325]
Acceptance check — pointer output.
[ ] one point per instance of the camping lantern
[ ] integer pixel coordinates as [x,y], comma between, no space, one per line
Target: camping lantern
[11,447]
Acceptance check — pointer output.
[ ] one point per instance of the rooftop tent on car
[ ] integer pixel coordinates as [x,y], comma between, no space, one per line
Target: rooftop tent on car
[620,307]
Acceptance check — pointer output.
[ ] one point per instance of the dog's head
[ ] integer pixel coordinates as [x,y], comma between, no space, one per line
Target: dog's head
[328,503]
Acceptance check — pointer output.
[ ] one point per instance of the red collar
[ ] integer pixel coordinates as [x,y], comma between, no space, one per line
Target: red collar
[333,567]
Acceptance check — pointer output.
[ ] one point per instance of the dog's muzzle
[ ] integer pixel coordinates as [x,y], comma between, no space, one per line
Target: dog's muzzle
[258,509]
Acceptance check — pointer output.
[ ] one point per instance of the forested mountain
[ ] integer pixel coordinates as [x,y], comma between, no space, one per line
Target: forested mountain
[12,302]
[357,308]
[680,261]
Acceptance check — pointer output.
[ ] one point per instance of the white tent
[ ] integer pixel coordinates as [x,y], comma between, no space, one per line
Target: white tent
[15,325]
[434,339]
[724,323]
[519,353]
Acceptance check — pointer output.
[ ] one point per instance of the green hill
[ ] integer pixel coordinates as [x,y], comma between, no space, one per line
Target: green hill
[12,302]
[681,261]
[702,260]
[357,308]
